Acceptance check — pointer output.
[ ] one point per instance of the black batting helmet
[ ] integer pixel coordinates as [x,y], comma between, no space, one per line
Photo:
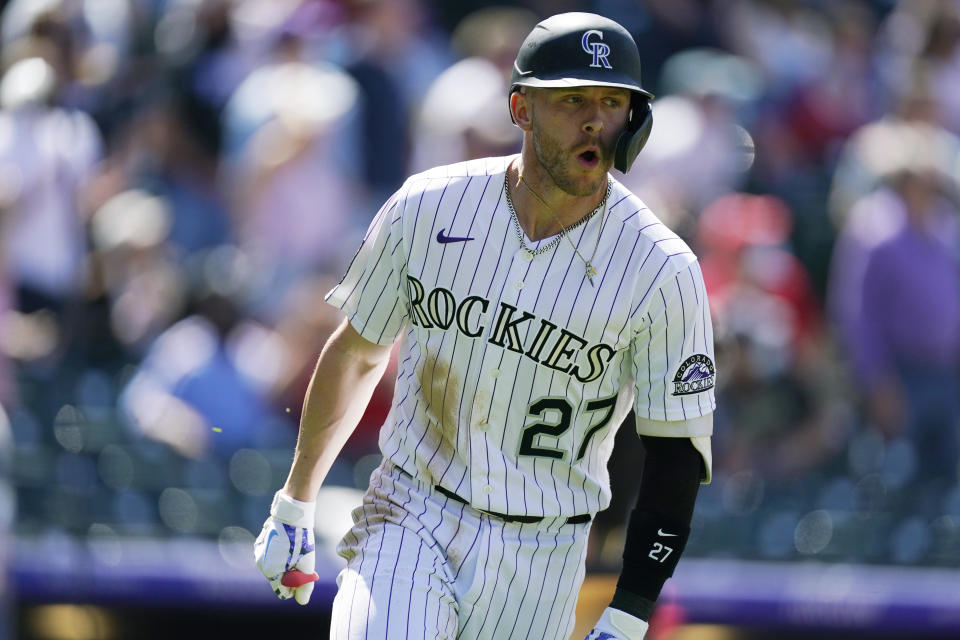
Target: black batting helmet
[584,49]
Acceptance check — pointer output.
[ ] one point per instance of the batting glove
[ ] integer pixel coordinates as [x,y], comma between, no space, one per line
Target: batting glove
[285,550]
[618,625]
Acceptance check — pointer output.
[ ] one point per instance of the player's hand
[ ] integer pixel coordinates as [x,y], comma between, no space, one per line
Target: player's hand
[285,550]
[618,625]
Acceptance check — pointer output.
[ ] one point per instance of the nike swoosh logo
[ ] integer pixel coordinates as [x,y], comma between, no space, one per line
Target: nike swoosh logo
[521,72]
[661,532]
[266,550]
[443,238]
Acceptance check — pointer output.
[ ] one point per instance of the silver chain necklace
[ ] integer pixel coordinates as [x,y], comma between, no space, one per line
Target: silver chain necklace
[588,264]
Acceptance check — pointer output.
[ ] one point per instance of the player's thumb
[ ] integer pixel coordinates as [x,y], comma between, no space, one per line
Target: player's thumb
[306,564]
[302,594]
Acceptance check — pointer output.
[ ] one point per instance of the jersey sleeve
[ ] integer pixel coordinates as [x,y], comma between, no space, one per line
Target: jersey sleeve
[370,293]
[673,358]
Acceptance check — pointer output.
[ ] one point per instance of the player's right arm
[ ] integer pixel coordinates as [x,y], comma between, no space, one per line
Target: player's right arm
[356,355]
[348,369]
[347,372]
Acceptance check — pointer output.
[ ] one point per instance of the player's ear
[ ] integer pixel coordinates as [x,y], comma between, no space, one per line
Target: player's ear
[520,108]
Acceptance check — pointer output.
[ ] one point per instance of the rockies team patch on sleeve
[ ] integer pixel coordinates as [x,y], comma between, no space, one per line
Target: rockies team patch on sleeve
[694,375]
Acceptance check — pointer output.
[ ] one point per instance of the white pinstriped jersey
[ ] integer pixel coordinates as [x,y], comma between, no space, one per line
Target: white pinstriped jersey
[514,372]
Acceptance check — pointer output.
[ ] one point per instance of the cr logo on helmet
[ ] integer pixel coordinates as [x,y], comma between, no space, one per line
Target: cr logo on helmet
[598,50]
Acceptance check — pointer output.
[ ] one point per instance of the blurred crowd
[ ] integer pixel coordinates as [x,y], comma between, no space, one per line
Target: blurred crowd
[181,181]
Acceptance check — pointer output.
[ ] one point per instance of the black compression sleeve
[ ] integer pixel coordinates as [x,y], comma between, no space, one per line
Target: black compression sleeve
[671,477]
[660,524]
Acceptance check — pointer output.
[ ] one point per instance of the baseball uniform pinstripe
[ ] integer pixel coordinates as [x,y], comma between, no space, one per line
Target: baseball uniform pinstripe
[422,565]
[514,374]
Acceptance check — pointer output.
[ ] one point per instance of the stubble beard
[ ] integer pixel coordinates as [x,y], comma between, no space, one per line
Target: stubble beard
[553,157]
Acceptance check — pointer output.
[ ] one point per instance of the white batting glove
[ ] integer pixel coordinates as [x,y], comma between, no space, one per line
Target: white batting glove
[618,625]
[285,550]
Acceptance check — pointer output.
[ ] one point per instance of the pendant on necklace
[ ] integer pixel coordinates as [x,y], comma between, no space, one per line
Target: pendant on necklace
[590,272]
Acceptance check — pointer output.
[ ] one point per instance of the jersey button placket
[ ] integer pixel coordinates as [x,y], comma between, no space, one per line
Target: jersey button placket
[480,417]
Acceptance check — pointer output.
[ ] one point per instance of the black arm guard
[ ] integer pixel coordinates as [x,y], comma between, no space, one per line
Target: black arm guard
[660,524]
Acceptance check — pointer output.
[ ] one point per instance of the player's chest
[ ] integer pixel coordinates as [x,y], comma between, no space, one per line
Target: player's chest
[536,308]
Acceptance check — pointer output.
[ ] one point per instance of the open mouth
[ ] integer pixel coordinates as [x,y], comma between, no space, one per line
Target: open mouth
[589,158]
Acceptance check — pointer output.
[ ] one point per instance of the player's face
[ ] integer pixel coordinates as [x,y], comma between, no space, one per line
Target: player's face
[575,132]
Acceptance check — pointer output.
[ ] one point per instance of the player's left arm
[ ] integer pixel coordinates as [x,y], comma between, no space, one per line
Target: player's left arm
[657,534]
[674,373]
[659,525]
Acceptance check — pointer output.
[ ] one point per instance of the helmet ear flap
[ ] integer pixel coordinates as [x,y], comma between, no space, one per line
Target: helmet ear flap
[635,135]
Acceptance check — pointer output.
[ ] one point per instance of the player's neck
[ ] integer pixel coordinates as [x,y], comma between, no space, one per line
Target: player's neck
[539,202]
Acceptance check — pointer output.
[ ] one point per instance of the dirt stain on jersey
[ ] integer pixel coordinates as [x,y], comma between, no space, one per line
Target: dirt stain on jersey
[439,386]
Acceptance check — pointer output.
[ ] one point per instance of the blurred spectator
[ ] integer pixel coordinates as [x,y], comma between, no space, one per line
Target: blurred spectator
[865,216]
[58,29]
[47,155]
[790,41]
[291,140]
[394,57]
[215,382]
[897,294]
[821,81]
[842,94]
[495,34]
[743,242]
[942,57]
[464,115]
[663,28]
[138,274]
[880,148]
[199,40]
[696,133]
[200,391]
[908,134]
[922,39]
[165,155]
[769,337]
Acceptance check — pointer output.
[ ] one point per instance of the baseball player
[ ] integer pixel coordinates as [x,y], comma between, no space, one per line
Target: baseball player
[536,301]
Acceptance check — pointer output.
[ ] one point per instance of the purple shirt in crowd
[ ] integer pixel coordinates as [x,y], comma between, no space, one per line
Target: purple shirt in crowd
[910,305]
